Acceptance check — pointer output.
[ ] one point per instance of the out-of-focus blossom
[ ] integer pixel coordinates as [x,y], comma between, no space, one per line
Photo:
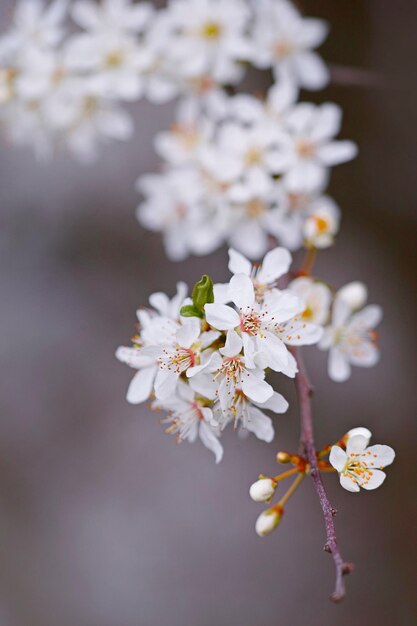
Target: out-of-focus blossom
[316,297]
[285,41]
[351,338]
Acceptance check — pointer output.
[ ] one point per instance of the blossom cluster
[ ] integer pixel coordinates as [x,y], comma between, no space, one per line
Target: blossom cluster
[246,170]
[204,360]
[358,465]
[61,86]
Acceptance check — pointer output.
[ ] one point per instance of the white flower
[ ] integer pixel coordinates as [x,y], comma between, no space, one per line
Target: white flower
[351,339]
[268,521]
[220,378]
[309,149]
[322,223]
[262,329]
[263,490]
[361,466]
[109,52]
[285,41]
[190,419]
[317,299]
[173,206]
[37,26]
[157,327]
[209,38]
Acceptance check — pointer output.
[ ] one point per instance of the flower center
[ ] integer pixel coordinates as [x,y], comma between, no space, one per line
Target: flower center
[178,361]
[253,157]
[211,30]
[114,59]
[232,369]
[357,471]
[255,208]
[250,323]
[305,149]
[322,224]
[283,49]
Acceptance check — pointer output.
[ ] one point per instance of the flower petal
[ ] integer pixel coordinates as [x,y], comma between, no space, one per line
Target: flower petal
[275,264]
[338,458]
[385,455]
[348,484]
[356,444]
[140,387]
[360,430]
[233,344]
[260,424]
[211,442]
[338,367]
[238,264]
[255,388]
[374,481]
[221,316]
[241,291]
[189,332]
[276,403]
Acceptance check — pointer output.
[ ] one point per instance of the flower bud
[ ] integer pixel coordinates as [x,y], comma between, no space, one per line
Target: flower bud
[263,490]
[354,294]
[268,521]
[283,457]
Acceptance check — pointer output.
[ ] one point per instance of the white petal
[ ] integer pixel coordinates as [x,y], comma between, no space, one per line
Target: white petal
[276,403]
[221,316]
[369,317]
[241,291]
[385,455]
[356,444]
[256,389]
[337,152]
[204,385]
[275,264]
[338,458]
[238,264]
[141,385]
[338,366]
[312,71]
[165,384]
[211,442]
[221,293]
[360,430]
[136,358]
[260,424]
[233,344]
[327,124]
[274,350]
[189,332]
[348,483]
[374,481]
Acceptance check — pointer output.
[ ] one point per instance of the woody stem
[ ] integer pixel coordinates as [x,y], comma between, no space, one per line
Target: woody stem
[305,391]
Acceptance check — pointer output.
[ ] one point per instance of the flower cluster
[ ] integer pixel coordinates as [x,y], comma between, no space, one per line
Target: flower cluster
[357,464]
[65,86]
[204,359]
[246,170]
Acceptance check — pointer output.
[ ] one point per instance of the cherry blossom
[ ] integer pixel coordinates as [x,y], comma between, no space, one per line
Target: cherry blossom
[360,465]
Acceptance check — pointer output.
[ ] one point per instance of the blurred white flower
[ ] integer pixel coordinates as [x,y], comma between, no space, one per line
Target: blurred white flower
[285,41]
[361,466]
[322,223]
[316,297]
[350,338]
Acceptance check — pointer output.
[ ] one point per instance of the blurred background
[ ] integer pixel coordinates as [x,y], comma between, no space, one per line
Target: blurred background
[104,521]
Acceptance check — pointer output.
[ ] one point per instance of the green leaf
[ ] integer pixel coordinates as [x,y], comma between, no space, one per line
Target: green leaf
[203,293]
[189,310]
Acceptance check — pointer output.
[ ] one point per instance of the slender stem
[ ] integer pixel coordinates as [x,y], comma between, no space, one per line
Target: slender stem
[357,77]
[291,490]
[304,390]
[286,474]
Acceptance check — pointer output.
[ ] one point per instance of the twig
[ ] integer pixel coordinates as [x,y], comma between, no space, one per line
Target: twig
[357,77]
[304,390]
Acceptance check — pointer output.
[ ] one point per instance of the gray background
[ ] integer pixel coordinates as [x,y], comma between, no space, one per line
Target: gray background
[104,521]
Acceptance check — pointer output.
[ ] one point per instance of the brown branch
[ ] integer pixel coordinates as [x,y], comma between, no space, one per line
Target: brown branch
[357,77]
[305,391]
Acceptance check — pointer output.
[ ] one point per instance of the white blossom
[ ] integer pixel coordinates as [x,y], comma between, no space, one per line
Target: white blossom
[285,41]
[350,338]
[359,465]
[267,521]
[316,297]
